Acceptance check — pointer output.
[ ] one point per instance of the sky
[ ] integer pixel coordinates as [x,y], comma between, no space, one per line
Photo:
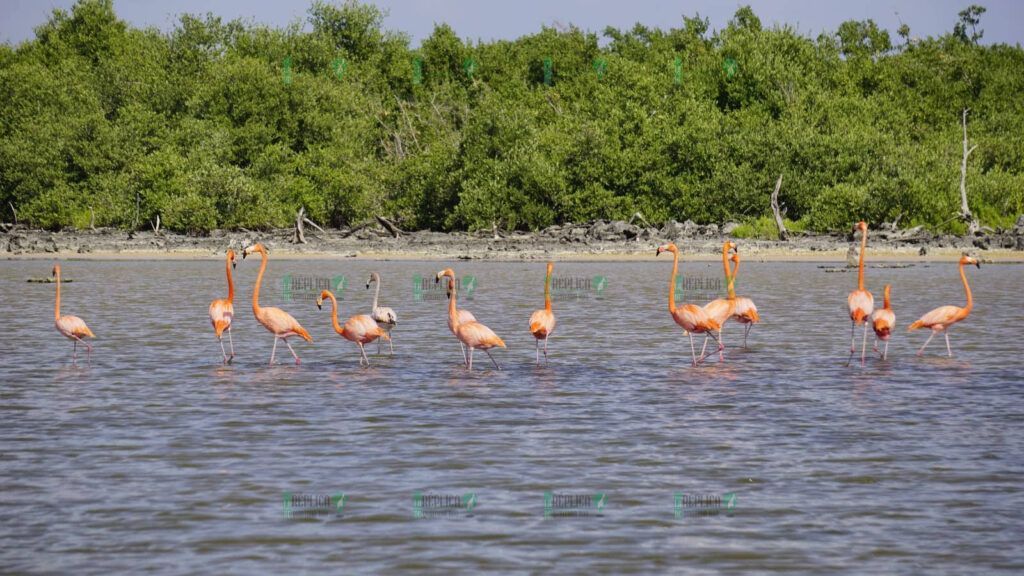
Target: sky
[488,20]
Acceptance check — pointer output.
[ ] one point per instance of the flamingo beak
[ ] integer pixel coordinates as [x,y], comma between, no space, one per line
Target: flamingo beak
[234,263]
[978,264]
[319,303]
[245,253]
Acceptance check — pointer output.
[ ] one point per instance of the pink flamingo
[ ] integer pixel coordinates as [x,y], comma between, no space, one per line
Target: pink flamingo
[691,317]
[943,317]
[744,310]
[721,308]
[472,334]
[882,322]
[360,328]
[384,317]
[861,302]
[71,327]
[222,311]
[542,322]
[277,321]
[462,314]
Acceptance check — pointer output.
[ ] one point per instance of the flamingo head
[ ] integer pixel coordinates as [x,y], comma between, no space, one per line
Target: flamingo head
[56,270]
[670,247]
[551,267]
[321,297]
[735,257]
[231,258]
[862,226]
[446,272]
[254,248]
[965,259]
[374,277]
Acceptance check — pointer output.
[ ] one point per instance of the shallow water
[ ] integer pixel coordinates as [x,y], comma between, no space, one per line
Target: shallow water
[155,457]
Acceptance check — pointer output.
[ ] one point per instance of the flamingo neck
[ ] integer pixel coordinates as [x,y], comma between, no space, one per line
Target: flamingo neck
[967,290]
[731,280]
[547,291]
[376,293]
[334,315]
[863,248]
[453,315]
[259,281]
[887,305]
[56,306]
[672,283]
[231,283]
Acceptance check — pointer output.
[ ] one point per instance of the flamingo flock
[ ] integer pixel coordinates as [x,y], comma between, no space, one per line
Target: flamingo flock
[708,320]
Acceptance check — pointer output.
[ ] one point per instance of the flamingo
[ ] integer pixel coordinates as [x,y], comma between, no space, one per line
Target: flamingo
[883,321]
[72,327]
[940,319]
[721,308]
[384,317]
[472,334]
[691,317]
[463,314]
[361,329]
[222,311]
[277,321]
[542,322]
[861,302]
[744,310]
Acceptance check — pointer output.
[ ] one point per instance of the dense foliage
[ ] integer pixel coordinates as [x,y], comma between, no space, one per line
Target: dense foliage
[226,124]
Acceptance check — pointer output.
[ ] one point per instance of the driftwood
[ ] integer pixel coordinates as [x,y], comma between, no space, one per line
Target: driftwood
[783,234]
[356,228]
[640,217]
[299,237]
[390,226]
[156,225]
[13,211]
[92,220]
[965,211]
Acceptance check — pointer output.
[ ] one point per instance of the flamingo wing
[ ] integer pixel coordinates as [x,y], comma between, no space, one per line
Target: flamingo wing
[385,315]
[465,315]
[862,304]
[222,313]
[745,311]
[693,318]
[882,322]
[73,327]
[542,323]
[363,328]
[938,318]
[282,324]
[476,335]
[720,309]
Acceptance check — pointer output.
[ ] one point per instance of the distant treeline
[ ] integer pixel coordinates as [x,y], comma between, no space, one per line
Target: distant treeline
[228,124]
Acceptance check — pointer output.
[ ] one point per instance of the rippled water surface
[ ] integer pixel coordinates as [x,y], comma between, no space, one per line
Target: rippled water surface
[154,457]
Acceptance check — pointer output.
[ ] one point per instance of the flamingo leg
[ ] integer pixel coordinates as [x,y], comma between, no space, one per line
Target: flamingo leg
[273,351]
[885,353]
[921,351]
[745,332]
[232,343]
[470,361]
[693,351]
[538,350]
[864,345]
[704,346]
[391,344]
[721,347]
[546,349]
[222,352]
[362,354]
[74,350]
[492,358]
[721,343]
[296,356]
[463,348]
[853,347]
[949,351]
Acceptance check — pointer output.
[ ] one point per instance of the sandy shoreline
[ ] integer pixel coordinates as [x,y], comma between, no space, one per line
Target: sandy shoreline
[597,241]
